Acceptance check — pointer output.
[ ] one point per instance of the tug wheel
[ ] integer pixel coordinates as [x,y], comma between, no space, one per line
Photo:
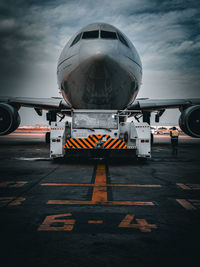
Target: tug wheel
[47,138]
[152,139]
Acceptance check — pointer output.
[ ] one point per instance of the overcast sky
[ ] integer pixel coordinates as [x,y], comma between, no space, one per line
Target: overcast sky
[165,34]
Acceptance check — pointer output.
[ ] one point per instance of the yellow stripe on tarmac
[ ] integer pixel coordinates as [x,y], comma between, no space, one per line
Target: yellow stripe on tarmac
[100,194]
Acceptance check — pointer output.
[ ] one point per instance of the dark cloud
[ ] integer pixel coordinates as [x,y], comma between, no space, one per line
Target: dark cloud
[20,39]
[165,33]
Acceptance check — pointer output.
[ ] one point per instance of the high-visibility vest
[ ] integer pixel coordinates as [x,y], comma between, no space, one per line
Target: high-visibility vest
[175,133]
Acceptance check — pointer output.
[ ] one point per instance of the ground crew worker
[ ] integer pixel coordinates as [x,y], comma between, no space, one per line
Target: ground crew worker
[174,133]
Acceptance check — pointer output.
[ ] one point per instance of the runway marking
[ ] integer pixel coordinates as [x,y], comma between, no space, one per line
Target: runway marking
[95,222]
[12,184]
[108,185]
[65,222]
[99,195]
[189,204]
[83,202]
[141,224]
[49,221]
[11,201]
[195,202]
[100,190]
[189,186]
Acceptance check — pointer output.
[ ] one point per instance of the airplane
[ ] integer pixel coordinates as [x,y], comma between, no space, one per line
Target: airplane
[99,68]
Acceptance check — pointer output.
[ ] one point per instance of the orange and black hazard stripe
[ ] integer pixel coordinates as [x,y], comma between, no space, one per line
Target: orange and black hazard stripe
[114,143]
[91,141]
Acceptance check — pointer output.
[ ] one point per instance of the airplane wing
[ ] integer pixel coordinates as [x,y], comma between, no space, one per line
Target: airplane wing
[189,120]
[138,104]
[37,103]
[160,104]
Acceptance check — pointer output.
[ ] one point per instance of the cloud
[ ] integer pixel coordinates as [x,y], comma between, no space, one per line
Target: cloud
[165,33]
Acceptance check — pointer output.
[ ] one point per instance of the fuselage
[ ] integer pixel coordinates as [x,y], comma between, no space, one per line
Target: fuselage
[99,68]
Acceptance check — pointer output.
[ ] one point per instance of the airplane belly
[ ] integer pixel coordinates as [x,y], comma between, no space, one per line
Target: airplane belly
[101,82]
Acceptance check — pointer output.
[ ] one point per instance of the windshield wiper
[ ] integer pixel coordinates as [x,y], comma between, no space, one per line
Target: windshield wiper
[87,128]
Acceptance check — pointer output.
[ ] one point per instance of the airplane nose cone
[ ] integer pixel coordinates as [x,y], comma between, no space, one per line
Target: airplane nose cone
[97,50]
[100,55]
[97,59]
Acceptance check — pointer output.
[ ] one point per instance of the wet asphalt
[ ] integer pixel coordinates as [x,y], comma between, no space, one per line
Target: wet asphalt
[99,212]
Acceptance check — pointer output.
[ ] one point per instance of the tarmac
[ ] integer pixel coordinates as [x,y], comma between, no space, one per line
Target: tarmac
[99,212]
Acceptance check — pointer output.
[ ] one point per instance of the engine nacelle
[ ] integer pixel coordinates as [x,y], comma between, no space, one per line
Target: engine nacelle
[189,121]
[9,119]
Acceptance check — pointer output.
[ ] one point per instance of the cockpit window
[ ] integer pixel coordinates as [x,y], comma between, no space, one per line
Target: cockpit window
[122,39]
[77,38]
[90,35]
[108,35]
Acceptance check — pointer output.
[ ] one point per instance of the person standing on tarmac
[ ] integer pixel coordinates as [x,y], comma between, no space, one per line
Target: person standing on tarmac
[174,133]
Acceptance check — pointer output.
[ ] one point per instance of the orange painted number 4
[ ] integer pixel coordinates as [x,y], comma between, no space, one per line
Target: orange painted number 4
[141,224]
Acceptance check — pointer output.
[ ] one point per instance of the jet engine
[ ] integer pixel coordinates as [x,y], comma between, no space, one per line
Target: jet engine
[9,119]
[189,121]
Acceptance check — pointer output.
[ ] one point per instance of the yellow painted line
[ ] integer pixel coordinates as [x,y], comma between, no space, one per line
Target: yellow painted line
[99,195]
[4,184]
[108,185]
[186,204]
[136,185]
[100,190]
[11,201]
[56,184]
[17,201]
[134,203]
[183,186]
[195,202]
[95,222]
[194,186]
[189,186]
[18,184]
[70,202]
[109,203]
[11,184]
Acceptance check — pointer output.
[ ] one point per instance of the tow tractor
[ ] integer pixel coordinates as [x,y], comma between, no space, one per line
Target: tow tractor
[101,132]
